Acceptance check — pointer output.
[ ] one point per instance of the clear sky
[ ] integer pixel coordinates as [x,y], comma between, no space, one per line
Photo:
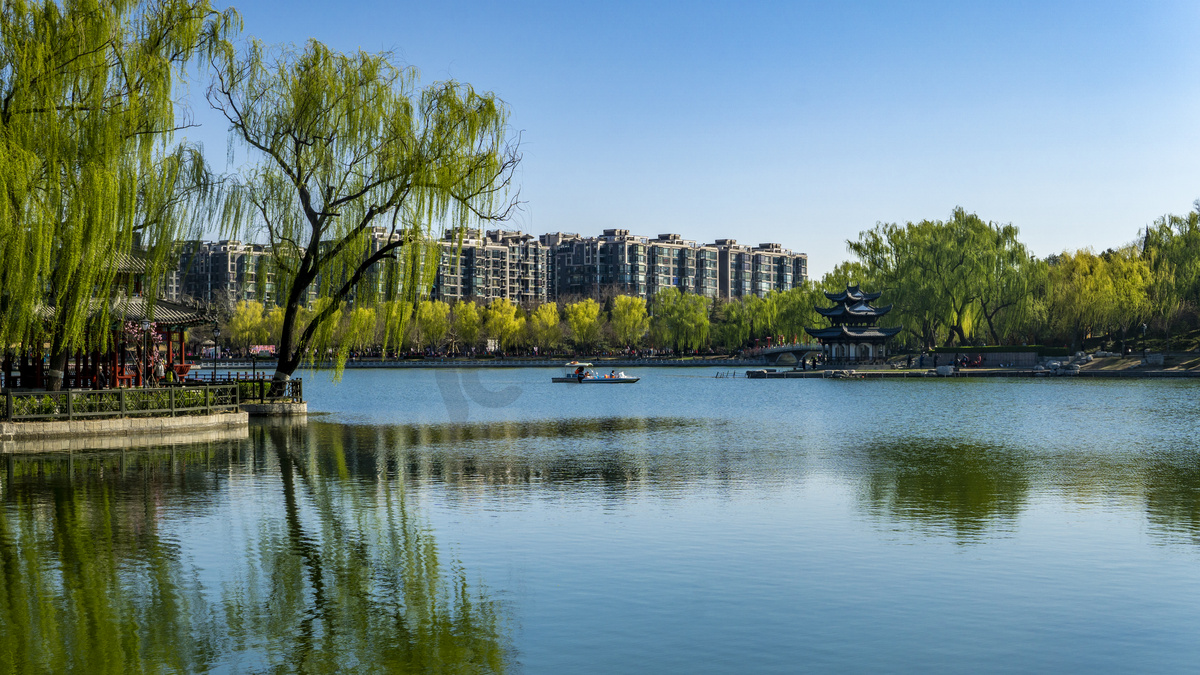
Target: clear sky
[804,123]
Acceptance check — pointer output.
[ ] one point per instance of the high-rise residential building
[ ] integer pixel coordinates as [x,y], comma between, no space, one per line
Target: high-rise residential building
[498,264]
[758,270]
[675,262]
[733,269]
[225,271]
[618,262]
[613,263]
[472,264]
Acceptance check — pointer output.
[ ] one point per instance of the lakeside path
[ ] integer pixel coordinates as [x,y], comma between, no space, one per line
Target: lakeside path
[1177,365]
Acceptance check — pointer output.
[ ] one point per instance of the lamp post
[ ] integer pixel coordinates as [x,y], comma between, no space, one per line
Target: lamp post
[216,350]
[1143,342]
[145,353]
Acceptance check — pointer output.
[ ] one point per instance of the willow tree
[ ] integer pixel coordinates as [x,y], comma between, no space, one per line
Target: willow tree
[354,169]
[467,323]
[951,276]
[86,162]
[504,321]
[680,320]
[583,318]
[545,326]
[629,320]
[433,322]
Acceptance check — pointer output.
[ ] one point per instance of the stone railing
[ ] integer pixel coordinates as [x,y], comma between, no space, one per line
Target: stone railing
[70,405]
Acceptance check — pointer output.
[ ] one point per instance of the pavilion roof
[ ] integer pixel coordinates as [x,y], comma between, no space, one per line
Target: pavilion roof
[853,293]
[847,333]
[857,310]
[138,308]
[129,262]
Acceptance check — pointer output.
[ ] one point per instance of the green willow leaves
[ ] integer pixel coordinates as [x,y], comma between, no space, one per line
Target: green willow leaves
[353,169]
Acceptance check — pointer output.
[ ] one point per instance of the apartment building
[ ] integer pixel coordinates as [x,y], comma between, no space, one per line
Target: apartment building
[473,264]
[613,263]
[496,264]
[222,271]
[758,270]
[618,262]
[675,262]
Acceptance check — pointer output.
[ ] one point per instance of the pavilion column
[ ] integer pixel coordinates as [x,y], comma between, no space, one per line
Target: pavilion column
[112,361]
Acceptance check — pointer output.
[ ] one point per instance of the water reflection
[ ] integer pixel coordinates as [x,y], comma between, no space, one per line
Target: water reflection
[109,566]
[91,584]
[963,488]
[952,486]
[1172,494]
[619,453]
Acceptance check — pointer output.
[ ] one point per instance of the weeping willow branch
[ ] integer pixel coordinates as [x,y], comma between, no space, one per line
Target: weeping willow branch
[346,142]
[87,166]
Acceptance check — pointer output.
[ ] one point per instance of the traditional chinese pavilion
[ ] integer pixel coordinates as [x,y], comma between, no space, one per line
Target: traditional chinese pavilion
[854,335]
[141,333]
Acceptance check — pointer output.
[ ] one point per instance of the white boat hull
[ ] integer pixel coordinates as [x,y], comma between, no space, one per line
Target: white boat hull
[596,380]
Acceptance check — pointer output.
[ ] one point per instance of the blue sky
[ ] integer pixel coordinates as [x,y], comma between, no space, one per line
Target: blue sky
[805,123]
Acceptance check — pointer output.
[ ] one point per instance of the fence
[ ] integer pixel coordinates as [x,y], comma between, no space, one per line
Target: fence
[22,406]
[267,391]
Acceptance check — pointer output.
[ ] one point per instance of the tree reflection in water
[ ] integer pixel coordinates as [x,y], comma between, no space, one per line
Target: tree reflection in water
[963,488]
[1172,487]
[337,574]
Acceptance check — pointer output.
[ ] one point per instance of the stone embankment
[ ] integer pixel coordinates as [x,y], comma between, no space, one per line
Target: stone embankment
[79,434]
[275,409]
[1184,365]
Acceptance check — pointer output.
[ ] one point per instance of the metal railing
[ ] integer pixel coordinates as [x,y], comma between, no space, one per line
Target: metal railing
[22,406]
[263,390]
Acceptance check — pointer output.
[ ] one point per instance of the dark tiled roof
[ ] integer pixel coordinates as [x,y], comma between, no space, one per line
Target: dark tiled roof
[860,310]
[853,293]
[137,309]
[844,333]
[129,263]
[162,311]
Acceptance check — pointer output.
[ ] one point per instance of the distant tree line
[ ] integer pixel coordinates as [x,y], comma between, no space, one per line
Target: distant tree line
[955,282]
[964,281]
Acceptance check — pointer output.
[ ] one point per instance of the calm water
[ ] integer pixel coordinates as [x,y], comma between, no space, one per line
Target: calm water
[476,521]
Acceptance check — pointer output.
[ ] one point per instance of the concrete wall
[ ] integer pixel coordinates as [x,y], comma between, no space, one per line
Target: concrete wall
[124,426]
[275,409]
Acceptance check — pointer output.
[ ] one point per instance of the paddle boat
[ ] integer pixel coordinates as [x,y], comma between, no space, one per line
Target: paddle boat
[579,372]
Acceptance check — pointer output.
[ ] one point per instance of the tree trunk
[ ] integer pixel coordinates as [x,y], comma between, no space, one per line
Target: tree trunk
[992,328]
[1167,320]
[59,354]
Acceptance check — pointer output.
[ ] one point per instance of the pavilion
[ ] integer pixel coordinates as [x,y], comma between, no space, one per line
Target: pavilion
[140,332]
[854,335]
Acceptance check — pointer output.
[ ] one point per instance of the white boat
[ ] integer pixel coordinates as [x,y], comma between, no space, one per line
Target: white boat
[578,372]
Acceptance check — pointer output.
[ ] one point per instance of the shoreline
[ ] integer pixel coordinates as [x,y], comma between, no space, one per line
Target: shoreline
[756,366]
[204,366]
[768,374]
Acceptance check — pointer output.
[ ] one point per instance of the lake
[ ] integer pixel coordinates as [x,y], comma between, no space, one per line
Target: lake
[488,520]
